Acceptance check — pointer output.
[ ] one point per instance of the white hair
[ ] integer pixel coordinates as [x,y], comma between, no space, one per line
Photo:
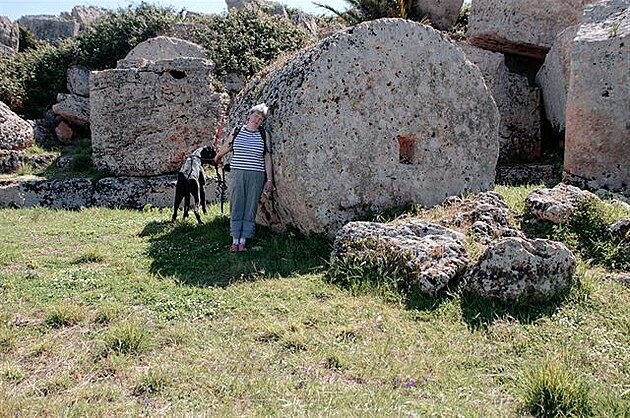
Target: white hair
[260,108]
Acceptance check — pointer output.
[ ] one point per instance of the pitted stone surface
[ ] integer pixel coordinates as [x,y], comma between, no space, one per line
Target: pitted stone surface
[15,132]
[112,192]
[165,48]
[366,120]
[78,78]
[485,215]
[59,194]
[597,147]
[520,27]
[73,108]
[553,78]
[518,103]
[518,269]
[9,36]
[558,204]
[442,13]
[145,121]
[430,255]
[50,28]
[135,193]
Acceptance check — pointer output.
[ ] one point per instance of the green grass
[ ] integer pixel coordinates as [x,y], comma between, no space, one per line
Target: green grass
[122,313]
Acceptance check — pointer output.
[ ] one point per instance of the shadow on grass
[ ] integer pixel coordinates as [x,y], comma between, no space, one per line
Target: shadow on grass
[479,313]
[199,255]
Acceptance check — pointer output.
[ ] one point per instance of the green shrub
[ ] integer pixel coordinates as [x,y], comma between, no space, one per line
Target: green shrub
[461,25]
[30,80]
[246,40]
[29,41]
[365,10]
[552,391]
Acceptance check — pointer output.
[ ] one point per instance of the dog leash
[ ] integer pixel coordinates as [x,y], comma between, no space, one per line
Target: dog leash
[221,186]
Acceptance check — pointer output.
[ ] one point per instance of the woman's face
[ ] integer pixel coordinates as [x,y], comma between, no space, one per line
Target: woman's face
[256,119]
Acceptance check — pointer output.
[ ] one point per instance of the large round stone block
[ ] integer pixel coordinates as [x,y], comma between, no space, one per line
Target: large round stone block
[384,114]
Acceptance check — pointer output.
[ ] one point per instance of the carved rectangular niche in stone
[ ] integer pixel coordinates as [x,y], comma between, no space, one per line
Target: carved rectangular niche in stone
[406,147]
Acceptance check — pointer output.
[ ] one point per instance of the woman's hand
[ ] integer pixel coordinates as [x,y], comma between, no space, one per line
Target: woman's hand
[269,187]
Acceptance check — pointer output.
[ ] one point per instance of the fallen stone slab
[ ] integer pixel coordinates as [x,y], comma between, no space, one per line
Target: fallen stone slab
[426,257]
[522,270]
[558,204]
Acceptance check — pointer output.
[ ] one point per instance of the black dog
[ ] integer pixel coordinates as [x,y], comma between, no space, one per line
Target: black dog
[191,180]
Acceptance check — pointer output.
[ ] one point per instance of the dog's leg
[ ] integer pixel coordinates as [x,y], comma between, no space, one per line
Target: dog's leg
[187,200]
[202,191]
[180,191]
[194,191]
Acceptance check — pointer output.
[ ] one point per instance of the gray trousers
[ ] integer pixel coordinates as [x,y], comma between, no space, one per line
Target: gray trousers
[245,189]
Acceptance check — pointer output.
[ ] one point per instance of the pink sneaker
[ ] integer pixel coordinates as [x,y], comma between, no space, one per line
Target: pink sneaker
[234,248]
[241,248]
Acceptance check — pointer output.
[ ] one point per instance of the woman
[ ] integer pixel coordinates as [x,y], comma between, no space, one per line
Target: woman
[251,173]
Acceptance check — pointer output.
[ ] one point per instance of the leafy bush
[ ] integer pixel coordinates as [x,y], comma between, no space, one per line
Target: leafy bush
[28,40]
[365,10]
[30,80]
[246,40]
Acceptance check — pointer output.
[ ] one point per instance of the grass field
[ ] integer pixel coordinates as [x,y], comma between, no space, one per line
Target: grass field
[121,313]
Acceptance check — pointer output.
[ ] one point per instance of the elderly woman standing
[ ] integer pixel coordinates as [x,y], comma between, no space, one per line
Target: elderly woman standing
[251,173]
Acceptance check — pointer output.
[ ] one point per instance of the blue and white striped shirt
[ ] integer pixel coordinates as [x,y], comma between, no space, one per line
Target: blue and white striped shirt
[248,151]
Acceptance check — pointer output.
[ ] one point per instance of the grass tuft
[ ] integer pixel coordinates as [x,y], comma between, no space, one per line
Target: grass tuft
[64,315]
[127,338]
[551,390]
[151,383]
[93,255]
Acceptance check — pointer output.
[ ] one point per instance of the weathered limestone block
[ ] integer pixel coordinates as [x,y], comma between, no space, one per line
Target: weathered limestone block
[78,80]
[136,193]
[553,78]
[145,121]
[485,215]
[161,48]
[522,270]
[50,28]
[426,256]
[15,132]
[366,121]
[518,103]
[270,7]
[597,148]
[522,174]
[86,15]
[64,133]
[558,204]
[73,108]
[520,27]
[12,161]
[60,194]
[442,13]
[9,36]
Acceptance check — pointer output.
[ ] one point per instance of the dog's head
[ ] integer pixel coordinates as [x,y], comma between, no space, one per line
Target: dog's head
[207,155]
